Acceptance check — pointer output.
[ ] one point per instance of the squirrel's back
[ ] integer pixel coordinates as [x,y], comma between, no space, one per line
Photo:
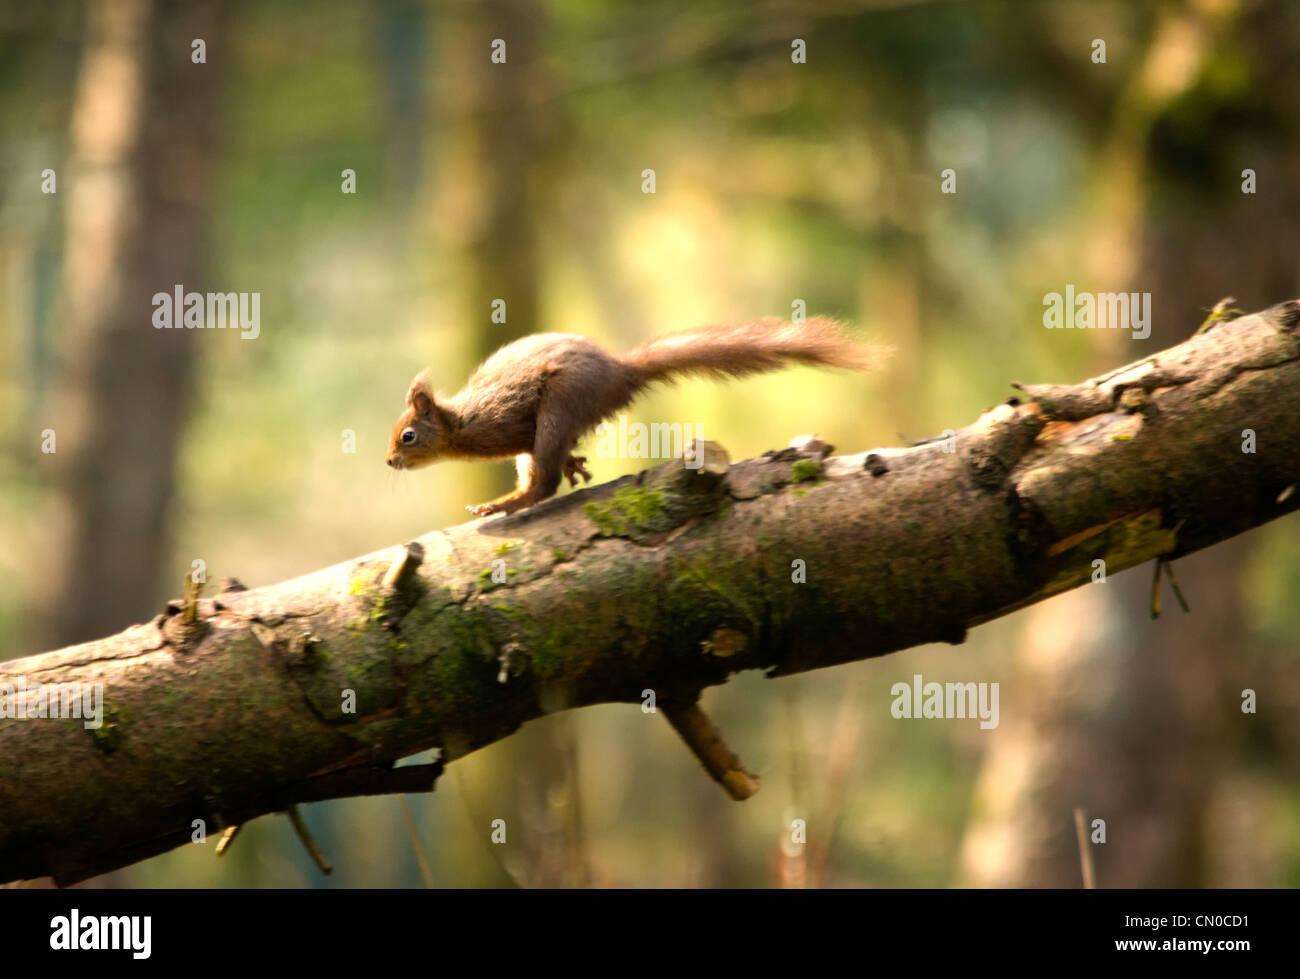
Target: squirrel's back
[575,371]
[585,384]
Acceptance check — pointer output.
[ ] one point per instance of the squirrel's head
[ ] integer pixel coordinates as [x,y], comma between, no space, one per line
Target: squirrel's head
[419,433]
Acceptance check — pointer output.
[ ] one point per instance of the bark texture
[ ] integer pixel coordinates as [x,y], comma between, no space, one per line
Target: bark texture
[670,580]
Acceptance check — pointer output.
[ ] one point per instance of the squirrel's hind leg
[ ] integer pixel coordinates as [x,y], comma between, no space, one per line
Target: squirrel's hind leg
[576,466]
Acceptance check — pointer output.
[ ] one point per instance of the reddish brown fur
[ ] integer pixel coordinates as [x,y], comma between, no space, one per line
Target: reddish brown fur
[538,396]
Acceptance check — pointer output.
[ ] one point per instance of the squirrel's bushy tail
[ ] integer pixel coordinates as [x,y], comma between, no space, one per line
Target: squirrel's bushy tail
[749,348]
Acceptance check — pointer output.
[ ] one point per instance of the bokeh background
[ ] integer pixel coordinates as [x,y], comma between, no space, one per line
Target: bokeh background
[776,181]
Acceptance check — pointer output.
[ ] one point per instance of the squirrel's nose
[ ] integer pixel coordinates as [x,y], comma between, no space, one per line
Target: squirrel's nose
[394,461]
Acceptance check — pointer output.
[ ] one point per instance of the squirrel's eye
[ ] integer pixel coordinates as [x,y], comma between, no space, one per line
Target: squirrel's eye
[408,436]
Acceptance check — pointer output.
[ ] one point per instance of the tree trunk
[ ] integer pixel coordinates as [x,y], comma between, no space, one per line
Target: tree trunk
[142,155]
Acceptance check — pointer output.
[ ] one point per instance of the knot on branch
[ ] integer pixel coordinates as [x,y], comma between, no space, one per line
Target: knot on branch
[804,460]
[993,445]
[514,660]
[667,498]
[401,588]
[184,625]
[1286,315]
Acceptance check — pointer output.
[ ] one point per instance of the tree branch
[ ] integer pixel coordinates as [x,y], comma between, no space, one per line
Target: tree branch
[670,580]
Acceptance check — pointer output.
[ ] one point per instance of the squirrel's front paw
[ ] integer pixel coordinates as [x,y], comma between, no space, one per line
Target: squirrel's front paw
[483,509]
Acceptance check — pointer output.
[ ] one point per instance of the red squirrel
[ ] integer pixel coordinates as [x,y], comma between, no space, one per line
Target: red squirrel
[534,398]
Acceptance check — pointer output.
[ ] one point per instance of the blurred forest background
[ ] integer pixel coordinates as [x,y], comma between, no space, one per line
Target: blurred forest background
[776,181]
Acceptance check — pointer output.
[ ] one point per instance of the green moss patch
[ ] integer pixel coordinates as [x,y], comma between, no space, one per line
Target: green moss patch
[630,509]
[805,471]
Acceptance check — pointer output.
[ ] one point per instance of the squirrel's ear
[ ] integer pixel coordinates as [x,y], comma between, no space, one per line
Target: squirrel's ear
[420,396]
